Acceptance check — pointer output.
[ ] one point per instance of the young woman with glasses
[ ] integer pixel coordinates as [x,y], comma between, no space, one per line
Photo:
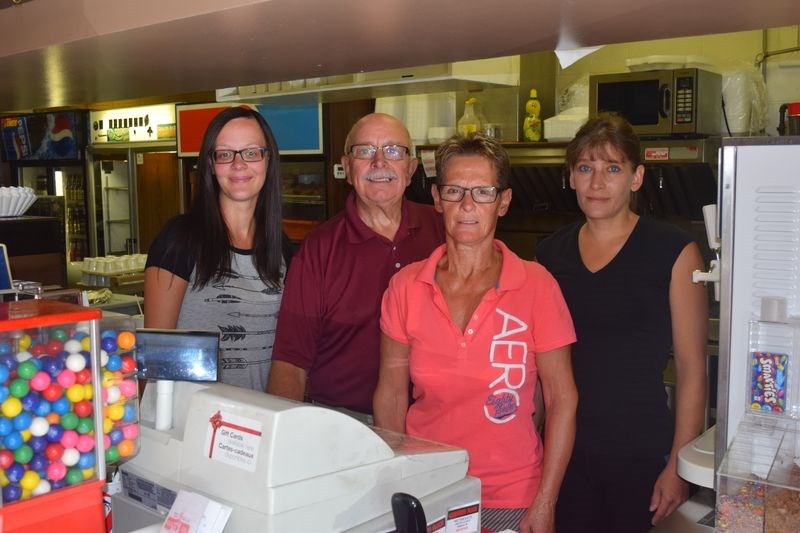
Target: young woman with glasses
[472,328]
[220,267]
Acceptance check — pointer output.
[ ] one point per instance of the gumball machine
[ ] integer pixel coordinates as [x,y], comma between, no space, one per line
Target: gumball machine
[68,406]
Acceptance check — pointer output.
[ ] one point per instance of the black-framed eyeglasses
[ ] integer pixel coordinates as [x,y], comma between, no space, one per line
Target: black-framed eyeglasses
[393,152]
[480,195]
[248,155]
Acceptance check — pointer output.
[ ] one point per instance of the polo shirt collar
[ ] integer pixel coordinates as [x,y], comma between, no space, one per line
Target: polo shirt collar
[512,274]
[358,231]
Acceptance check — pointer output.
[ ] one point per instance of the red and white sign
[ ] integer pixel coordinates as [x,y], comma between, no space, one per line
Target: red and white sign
[656,154]
[233,440]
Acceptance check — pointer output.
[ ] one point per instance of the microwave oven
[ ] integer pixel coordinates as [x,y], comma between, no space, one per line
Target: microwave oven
[683,102]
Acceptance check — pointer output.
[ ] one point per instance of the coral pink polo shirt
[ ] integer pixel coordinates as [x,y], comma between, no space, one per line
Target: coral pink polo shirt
[474,389]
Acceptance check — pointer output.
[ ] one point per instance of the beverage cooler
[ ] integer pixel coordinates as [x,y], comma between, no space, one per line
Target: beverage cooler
[46,153]
[133,190]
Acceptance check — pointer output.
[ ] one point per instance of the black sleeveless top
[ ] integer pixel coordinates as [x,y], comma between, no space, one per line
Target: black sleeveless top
[622,320]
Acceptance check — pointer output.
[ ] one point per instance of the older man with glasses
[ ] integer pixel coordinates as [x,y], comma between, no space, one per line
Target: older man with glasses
[328,338]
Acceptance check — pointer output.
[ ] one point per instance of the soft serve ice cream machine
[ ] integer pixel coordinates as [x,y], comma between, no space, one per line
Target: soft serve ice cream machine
[286,466]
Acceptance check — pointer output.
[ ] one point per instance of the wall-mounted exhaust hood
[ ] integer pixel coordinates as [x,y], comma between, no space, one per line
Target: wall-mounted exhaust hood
[460,76]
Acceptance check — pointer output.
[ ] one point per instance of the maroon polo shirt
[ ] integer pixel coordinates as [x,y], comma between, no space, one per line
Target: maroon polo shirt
[329,318]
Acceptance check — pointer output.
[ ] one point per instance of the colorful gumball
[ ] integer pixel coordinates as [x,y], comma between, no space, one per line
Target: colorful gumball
[39,426]
[83,408]
[6,459]
[69,439]
[11,407]
[73,346]
[128,388]
[70,420]
[53,451]
[70,457]
[126,448]
[38,444]
[19,388]
[6,426]
[24,342]
[43,408]
[86,344]
[54,433]
[66,378]
[12,492]
[75,362]
[116,412]
[85,425]
[15,472]
[13,440]
[22,421]
[114,363]
[23,454]
[112,394]
[109,344]
[54,347]
[39,462]
[75,393]
[56,471]
[112,454]
[84,376]
[85,461]
[61,405]
[85,443]
[42,488]
[30,401]
[29,480]
[126,340]
[116,436]
[130,414]
[40,381]
[26,369]
[128,364]
[74,475]
[52,392]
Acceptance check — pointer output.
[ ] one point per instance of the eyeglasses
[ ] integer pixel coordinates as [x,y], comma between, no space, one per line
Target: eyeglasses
[480,195]
[392,152]
[248,155]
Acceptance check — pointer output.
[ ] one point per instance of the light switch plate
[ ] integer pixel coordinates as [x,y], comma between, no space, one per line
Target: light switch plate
[338,172]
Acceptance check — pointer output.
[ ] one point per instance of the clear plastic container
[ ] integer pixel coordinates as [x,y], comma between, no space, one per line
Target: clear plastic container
[773,385]
[57,370]
[469,123]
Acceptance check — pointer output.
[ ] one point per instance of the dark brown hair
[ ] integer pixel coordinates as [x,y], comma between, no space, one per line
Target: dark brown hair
[594,137]
[207,234]
[474,144]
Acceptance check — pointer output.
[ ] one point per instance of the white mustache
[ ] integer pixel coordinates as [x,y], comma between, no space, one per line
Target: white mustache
[380,175]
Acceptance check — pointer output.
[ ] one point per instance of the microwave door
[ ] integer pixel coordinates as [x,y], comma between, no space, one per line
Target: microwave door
[643,98]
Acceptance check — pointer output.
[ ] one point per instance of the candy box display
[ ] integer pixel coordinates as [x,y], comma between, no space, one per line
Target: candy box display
[773,387]
[67,389]
[758,481]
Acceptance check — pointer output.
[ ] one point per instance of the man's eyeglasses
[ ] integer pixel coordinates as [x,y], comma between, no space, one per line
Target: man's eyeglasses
[392,152]
[248,155]
[480,195]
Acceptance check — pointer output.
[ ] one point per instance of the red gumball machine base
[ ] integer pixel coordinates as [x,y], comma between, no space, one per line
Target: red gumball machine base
[77,509]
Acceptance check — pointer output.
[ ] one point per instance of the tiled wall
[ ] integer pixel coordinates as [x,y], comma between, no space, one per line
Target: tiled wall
[726,52]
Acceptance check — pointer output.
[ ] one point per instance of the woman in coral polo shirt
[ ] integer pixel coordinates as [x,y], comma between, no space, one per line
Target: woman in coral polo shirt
[472,328]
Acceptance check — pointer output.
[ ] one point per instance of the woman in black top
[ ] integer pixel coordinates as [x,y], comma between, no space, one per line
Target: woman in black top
[628,284]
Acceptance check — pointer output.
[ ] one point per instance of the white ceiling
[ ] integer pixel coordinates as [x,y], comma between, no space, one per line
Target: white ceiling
[76,52]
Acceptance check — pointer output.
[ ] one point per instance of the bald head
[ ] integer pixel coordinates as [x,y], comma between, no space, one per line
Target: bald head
[373,121]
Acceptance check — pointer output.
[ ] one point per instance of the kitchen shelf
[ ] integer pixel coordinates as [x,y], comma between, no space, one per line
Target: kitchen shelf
[125,189]
[119,221]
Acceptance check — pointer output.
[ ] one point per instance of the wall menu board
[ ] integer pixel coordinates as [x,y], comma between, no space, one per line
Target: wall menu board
[297,128]
[43,136]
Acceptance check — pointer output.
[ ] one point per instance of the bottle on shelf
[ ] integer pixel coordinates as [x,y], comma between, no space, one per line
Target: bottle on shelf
[532,124]
[469,122]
